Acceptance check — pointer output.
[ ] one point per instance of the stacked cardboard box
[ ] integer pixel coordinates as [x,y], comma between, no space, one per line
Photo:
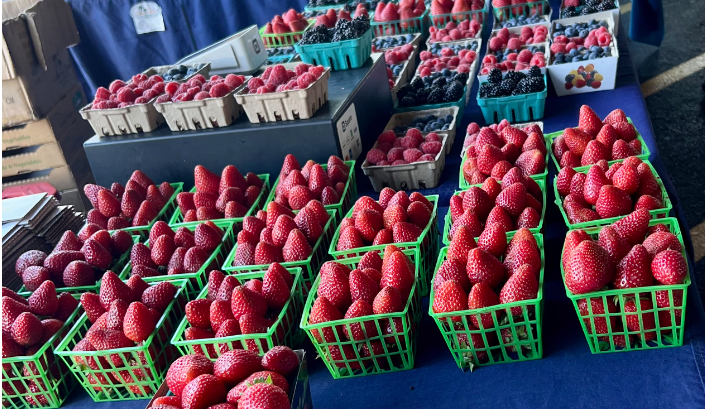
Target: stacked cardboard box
[43,133]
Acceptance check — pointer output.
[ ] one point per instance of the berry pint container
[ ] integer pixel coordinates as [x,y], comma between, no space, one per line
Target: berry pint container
[538,7]
[514,108]
[339,55]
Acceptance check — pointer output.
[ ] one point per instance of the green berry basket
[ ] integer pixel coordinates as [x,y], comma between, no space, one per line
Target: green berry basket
[346,200]
[394,351]
[440,20]
[284,330]
[665,334]
[309,267]
[414,25]
[509,12]
[177,219]
[447,225]
[24,385]
[116,267]
[273,40]
[125,373]
[508,340]
[339,55]
[645,153]
[195,282]
[427,244]
[656,214]
[515,108]
[324,8]
[164,215]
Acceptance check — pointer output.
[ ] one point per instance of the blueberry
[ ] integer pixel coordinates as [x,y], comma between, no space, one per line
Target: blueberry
[570,32]
[581,48]
[182,68]
[592,56]
[559,55]
[559,26]
[608,51]
[573,52]
[449,118]
[441,121]
[177,77]
[585,57]
[427,128]
[577,59]
[604,24]
[429,117]
[445,128]
[398,129]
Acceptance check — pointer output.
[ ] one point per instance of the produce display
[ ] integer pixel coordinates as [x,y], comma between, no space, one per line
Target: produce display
[574,8]
[383,43]
[505,39]
[297,186]
[198,88]
[450,57]
[513,83]
[278,78]
[429,91]
[414,147]
[575,43]
[454,32]
[343,29]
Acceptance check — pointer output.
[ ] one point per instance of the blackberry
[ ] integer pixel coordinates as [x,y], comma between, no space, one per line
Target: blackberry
[343,30]
[495,76]
[587,10]
[569,78]
[485,89]
[407,101]
[435,96]
[461,77]
[515,76]
[360,25]
[530,85]
[439,82]
[453,92]
[592,3]
[535,71]
[507,86]
[417,83]
[493,91]
[312,37]
[405,90]
[569,12]
[605,5]
[422,96]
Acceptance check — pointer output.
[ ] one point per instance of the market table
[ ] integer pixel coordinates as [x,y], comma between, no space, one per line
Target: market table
[568,375]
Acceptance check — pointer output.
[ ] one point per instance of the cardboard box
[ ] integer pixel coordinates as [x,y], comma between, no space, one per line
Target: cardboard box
[59,178]
[33,32]
[32,159]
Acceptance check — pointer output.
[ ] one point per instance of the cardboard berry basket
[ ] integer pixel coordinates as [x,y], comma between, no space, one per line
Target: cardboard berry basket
[473,67]
[519,125]
[427,244]
[545,19]
[309,267]
[125,373]
[164,214]
[207,113]
[547,55]
[414,25]
[284,330]
[415,42]
[614,12]
[40,380]
[299,390]
[515,108]
[447,225]
[407,118]
[195,282]
[655,214]
[284,39]
[285,105]
[116,266]
[339,55]
[177,219]
[346,199]
[393,351]
[669,320]
[508,340]
[551,137]
[525,9]
[440,20]
[134,118]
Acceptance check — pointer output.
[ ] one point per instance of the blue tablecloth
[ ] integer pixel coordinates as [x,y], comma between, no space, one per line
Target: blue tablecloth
[568,375]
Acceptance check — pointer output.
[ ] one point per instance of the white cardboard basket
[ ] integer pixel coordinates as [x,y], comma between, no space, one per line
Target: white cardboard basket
[406,118]
[204,114]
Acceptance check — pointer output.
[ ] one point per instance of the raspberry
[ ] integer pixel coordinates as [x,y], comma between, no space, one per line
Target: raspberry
[570,46]
[514,44]
[317,71]
[195,82]
[200,78]
[447,52]
[425,55]
[431,148]
[512,57]
[234,81]
[399,162]
[219,90]
[527,32]
[102,104]
[254,83]
[292,84]
[138,91]
[141,100]
[267,72]
[427,157]
[412,155]
[384,147]
[124,104]
[409,142]
[126,95]
[395,154]
[281,88]
[539,38]
[424,72]
[139,78]
[150,94]
[201,95]
[263,90]
[171,88]
[391,58]
[561,39]
[301,68]
[193,91]
[102,93]
[305,80]
[290,74]
[387,136]
[162,99]
[559,47]
[455,34]
[496,44]
[433,137]
[375,156]
[524,56]
[159,87]
[278,75]
[489,59]
[463,68]
[185,97]
[217,77]
[116,85]
[156,78]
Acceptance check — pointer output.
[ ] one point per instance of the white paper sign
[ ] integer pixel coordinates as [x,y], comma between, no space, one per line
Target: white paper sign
[147,16]
[349,134]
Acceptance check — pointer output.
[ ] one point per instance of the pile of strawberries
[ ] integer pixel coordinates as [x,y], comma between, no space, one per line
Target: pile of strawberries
[119,94]
[198,88]
[75,261]
[441,7]
[135,204]
[599,36]
[238,379]
[277,235]
[391,12]
[376,286]
[522,60]
[593,140]
[614,191]
[454,32]
[277,78]
[472,274]
[330,17]
[493,153]
[536,9]
[431,63]
[289,22]
[298,186]
[627,254]
[391,150]
[24,333]
[234,309]
[396,218]
[177,252]
[504,39]
[229,196]
[515,204]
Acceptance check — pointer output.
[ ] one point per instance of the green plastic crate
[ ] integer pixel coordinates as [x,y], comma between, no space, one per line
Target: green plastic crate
[195,282]
[285,39]
[339,56]
[346,201]
[515,108]
[409,26]
[666,335]
[164,214]
[16,382]
[508,341]
[427,244]
[116,267]
[658,213]
[509,12]
[309,267]
[284,331]
[399,347]
[645,153]
[448,224]
[178,218]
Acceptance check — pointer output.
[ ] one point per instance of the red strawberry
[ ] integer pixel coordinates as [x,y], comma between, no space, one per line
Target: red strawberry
[26,329]
[141,256]
[633,227]
[669,267]
[362,287]
[204,391]
[512,199]
[349,239]
[392,215]
[612,202]
[95,217]
[499,216]
[597,307]
[607,137]
[625,130]
[572,239]
[220,311]
[231,178]
[647,181]
[594,181]
[66,305]
[648,202]
[452,269]
[264,395]
[627,179]
[318,179]
[634,269]
[139,322]
[588,268]
[141,178]
[166,190]
[106,339]
[450,297]
[91,192]
[185,369]
[206,237]
[68,241]
[615,116]
[162,250]
[275,290]
[308,223]
[116,314]
[159,296]
[274,210]
[226,288]
[11,309]
[205,180]
[184,238]
[319,211]
[577,140]
[636,319]
[523,252]
[397,273]
[368,222]
[154,196]
[145,214]
[323,311]
[531,162]
[244,254]
[529,218]
[487,157]
[615,245]
[522,285]
[92,305]
[254,225]
[111,288]
[108,204]
[406,232]
[78,273]
[659,241]
[461,244]
[245,301]
[359,308]
[594,153]
[185,202]
[478,201]
[484,267]
[120,242]
[198,313]
[481,296]
[160,228]
[296,247]
[56,262]
[194,259]
[493,240]
[205,200]
[387,301]
[34,276]
[588,121]
[334,286]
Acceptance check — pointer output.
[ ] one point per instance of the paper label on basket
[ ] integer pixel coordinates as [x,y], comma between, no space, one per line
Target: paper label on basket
[349,134]
[147,16]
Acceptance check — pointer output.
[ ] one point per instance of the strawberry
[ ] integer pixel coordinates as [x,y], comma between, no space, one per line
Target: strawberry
[193,333]
[290,163]
[362,287]
[145,214]
[512,199]
[91,192]
[634,269]
[597,307]
[385,196]
[141,178]
[194,259]
[234,210]
[349,239]
[612,202]
[594,153]
[625,130]
[168,401]
[499,216]
[308,223]
[198,313]
[335,287]
[184,238]
[253,324]
[531,162]
[68,241]
[230,194]
[219,312]
[231,178]
[159,296]
[633,227]
[205,180]
[487,157]
[418,197]
[226,288]
[615,116]
[66,305]
[155,197]
[160,228]
[572,239]
[484,267]
[275,290]
[108,204]
[450,297]
[323,311]
[254,225]
[577,140]
[139,322]
[452,269]
[116,314]
[120,242]
[43,300]
[274,210]
[384,236]
[141,256]
[185,202]
[397,272]
[615,245]
[481,296]
[262,377]
[106,339]
[570,160]
[111,288]
[91,304]
[6,292]
[263,395]
[607,137]
[77,273]
[406,232]
[478,201]
[245,301]
[204,391]
[529,218]
[594,181]
[34,276]
[627,179]
[647,181]
[636,319]
[663,301]
[166,190]
[669,267]
[522,285]
[392,215]
[244,254]
[296,247]
[588,121]
[318,179]
[26,329]
[205,200]
[461,244]
[11,309]
[523,252]
[162,250]
[95,217]
[56,262]
[206,237]
[387,301]
[360,308]
[648,202]
[317,209]
[493,240]
[215,279]
[659,241]
[588,268]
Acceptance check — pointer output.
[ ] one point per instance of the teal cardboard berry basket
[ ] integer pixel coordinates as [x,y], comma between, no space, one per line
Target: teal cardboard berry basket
[340,55]
[414,25]
[515,108]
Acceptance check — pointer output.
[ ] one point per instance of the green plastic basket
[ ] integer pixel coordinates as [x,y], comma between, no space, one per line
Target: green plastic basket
[141,369]
[509,12]
[666,335]
[116,267]
[508,341]
[645,153]
[285,39]
[447,225]
[340,55]
[409,26]
[657,214]
[309,267]
[516,108]
[324,8]
[396,349]
[164,214]
[284,331]
[195,282]
[427,244]
[42,369]
[178,218]
[346,200]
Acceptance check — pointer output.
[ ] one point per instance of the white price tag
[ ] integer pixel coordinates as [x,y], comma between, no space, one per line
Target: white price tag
[147,16]
[349,134]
